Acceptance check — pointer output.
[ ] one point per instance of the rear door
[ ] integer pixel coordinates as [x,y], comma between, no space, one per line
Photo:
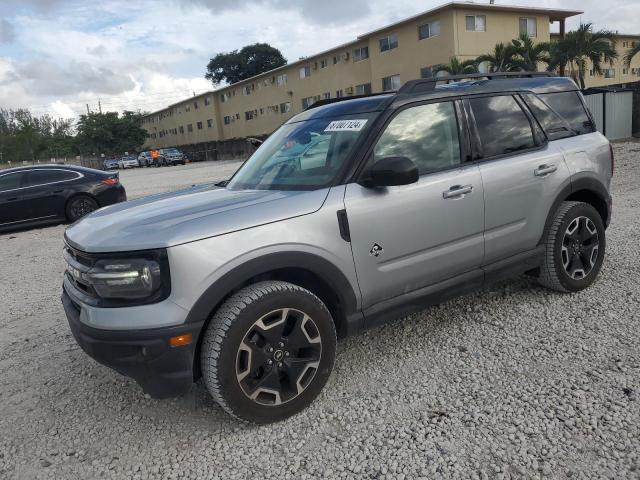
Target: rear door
[412,236]
[521,174]
[12,208]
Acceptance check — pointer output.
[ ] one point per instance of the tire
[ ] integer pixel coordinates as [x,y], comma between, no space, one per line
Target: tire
[79,206]
[575,246]
[269,334]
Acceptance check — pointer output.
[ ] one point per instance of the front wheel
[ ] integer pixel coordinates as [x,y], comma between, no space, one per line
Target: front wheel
[575,245]
[268,351]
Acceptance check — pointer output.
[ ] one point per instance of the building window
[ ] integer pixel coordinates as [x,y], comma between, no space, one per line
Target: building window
[364,89]
[326,95]
[281,79]
[305,71]
[190,128]
[285,107]
[207,101]
[610,73]
[429,30]
[195,105]
[199,125]
[625,71]
[389,43]
[307,102]
[250,115]
[339,93]
[227,120]
[181,129]
[426,72]
[237,116]
[187,108]
[323,63]
[210,123]
[336,59]
[529,26]
[625,44]
[391,83]
[246,90]
[476,23]
[361,53]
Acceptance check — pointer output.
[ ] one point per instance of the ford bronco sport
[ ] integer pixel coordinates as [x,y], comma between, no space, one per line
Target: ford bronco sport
[354,212]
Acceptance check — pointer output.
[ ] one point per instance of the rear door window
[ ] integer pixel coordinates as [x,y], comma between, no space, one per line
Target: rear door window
[553,124]
[569,106]
[44,177]
[502,125]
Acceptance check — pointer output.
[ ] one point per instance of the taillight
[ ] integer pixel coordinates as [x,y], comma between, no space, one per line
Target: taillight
[111,181]
[612,160]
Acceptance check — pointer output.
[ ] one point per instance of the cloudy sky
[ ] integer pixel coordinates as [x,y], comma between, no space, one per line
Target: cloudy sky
[58,55]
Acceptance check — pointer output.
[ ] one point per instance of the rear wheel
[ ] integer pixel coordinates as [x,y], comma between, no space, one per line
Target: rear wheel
[79,206]
[575,246]
[268,351]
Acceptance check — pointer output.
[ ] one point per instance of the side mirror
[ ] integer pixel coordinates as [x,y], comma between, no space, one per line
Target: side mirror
[393,171]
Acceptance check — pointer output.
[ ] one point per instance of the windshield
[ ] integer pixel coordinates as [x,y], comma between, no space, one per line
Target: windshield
[171,151]
[303,155]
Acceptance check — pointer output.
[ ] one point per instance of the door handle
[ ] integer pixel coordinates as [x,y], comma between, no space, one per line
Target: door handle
[12,199]
[457,191]
[56,192]
[543,170]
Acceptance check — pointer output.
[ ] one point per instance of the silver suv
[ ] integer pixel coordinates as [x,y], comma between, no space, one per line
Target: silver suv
[353,213]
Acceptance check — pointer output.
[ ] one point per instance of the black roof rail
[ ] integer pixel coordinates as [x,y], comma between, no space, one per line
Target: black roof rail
[329,101]
[427,84]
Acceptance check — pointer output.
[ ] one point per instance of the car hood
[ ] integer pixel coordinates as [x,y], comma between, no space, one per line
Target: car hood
[170,219]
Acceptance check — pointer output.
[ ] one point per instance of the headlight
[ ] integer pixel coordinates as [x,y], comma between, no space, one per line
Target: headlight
[119,279]
[126,278]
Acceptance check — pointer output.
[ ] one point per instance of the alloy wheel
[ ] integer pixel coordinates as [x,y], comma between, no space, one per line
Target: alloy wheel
[278,357]
[580,248]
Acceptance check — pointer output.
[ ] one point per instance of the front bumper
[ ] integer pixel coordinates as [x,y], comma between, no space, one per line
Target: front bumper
[144,355]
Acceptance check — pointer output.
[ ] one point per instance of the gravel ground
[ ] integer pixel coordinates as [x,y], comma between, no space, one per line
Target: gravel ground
[512,382]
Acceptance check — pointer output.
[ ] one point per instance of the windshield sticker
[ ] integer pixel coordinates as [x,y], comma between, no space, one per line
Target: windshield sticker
[346,126]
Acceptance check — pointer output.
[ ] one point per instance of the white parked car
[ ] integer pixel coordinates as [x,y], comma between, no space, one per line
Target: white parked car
[129,161]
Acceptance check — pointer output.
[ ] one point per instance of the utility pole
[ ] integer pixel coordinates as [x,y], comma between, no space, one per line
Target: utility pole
[88,112]
[99,107]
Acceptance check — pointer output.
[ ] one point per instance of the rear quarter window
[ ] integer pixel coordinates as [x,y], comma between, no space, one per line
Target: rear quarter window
[570,108]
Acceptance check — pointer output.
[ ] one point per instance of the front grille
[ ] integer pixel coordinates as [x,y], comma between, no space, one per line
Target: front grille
[78,263]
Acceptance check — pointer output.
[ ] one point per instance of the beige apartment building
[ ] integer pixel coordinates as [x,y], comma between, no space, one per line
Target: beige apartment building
[377,61]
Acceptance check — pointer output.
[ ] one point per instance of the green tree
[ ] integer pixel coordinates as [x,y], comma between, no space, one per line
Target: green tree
[530,54]
[583,45]
[110,133]
[504,58]
[456,67]
[234,66]
[633,51]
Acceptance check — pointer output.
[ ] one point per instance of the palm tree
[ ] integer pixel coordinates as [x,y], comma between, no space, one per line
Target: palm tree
[631,53]
[456,67]
[502,59]
[583,45]
[531,54]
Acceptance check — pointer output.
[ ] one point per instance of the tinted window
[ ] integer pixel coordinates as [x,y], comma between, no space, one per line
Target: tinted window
[41,177]
[553,124]
[570,108]
[10,181]
[502,125]
[427,135]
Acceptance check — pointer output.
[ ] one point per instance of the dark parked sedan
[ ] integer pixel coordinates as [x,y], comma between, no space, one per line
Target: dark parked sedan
[38,195]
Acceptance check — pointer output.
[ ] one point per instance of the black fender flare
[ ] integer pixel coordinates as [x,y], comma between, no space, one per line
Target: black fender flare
[577,184]
[322,268]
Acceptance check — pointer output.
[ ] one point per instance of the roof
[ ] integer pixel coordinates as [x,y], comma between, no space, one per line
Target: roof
[50,166]
[554,15]
[618,34]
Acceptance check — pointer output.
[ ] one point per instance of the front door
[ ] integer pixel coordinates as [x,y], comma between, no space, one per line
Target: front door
[12,208]
[408,237]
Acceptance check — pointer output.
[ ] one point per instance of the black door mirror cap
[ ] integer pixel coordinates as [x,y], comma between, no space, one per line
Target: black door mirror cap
[392,172]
